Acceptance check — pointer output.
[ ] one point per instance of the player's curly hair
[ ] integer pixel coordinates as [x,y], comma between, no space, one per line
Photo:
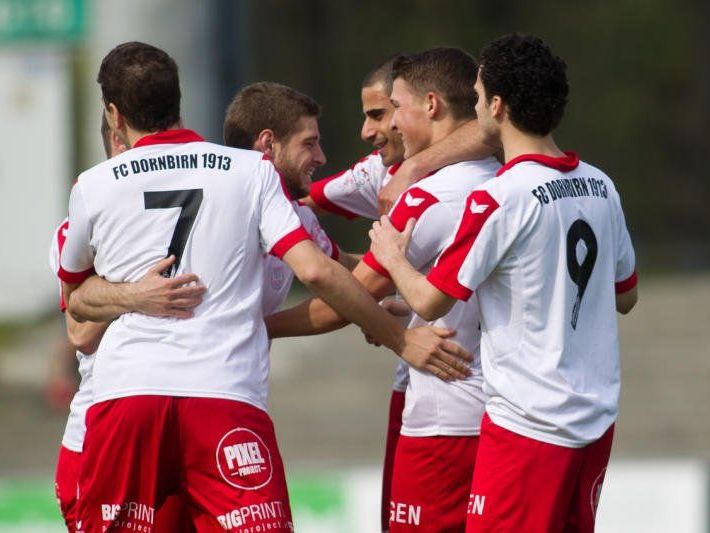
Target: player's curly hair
[142,82]
[529,78]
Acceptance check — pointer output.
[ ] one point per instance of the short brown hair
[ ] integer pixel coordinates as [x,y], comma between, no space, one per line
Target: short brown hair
[382,73]
[142,82]
[450,72]
[265,105]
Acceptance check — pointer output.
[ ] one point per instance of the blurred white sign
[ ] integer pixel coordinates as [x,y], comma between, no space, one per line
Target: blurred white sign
[35,173]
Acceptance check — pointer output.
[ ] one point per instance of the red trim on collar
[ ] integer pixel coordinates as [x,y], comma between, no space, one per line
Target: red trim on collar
[178,136]
[564,164]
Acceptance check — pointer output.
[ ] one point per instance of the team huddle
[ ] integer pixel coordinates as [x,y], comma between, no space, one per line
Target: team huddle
[506,258]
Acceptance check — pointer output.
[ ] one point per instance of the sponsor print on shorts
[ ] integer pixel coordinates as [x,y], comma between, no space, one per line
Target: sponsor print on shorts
[257,518]
[405,513]
[243,459]
[131,516]
[476,503]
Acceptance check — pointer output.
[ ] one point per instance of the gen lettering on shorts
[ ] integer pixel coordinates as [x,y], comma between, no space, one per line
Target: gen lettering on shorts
[476,502]
[244,460]
[404,513]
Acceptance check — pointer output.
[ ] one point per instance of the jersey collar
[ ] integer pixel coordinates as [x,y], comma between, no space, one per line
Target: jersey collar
[570,161]
[178,136]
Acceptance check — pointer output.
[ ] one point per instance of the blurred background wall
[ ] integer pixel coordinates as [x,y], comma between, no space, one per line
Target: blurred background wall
[639,109]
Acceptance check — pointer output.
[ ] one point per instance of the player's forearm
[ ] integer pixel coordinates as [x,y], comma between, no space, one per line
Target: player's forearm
[311,317]
[98,300]
[463,144]
[349,299]
[349,260]
[85,336]
[424,299]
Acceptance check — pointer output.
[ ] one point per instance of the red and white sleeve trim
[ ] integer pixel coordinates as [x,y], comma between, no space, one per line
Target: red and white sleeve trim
[317,194]
[444,275]
[74,277]
[288,241]
[412,204]
[626,285]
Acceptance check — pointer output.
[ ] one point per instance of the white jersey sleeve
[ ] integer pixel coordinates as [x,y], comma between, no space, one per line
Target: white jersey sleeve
[58,238]
[625,256]
[353,192]
[481,239]
[77,258]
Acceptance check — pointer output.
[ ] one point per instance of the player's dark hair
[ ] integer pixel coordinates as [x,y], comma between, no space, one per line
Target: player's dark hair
[530,80]
[265,105]
[449,72]
[105,135]
[142,82]
[382,73]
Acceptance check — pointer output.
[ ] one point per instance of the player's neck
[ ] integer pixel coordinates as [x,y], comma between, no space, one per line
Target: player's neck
[133,136]
[516,143]
[441,129]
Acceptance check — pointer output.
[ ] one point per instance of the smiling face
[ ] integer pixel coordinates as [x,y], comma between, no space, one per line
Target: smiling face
[298,156]
[376,130]
[410,118]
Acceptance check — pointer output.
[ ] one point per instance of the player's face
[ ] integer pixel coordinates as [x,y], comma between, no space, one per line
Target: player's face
[487,123]
[376,130]
[410,118]
[299,156]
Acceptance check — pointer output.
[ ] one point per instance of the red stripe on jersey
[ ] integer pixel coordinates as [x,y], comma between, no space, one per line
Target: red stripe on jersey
[74,277]
[411,204]
[564,164]
[444,275]
[317,193]
[393,168]
[288,241]
[177,136]
[61,239]
[626,285]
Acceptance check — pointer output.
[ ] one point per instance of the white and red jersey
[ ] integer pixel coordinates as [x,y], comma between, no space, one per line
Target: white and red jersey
[217,209]
[543,246]
[73,438]
[353,192]
[432,406]
[278,276]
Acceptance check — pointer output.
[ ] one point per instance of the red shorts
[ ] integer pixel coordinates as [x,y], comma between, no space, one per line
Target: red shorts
[522,484]
[66,484]
[431,482]
[393,426]
[172,517]
[219,455]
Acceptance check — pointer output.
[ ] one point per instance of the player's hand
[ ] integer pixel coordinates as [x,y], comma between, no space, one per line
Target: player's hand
[401,180]
[387,244]
[427,348]
[177,297]
[395,307]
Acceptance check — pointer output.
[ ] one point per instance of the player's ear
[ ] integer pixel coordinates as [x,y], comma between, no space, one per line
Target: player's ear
[265,143]
[497,107]
[432,104]
[115,120]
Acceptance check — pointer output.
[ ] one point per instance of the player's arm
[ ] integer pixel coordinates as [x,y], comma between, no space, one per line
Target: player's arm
[349,260]
[463,144]
[317,209]
[314,316]
[389,246]
[425,348]
[626,301]
[85,336]
[98,300]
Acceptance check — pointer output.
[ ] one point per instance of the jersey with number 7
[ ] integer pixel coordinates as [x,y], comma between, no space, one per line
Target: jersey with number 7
[218,210]
[545,245]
